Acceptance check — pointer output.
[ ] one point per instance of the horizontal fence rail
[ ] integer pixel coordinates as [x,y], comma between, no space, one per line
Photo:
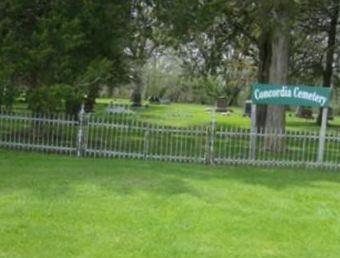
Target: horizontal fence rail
[123,136]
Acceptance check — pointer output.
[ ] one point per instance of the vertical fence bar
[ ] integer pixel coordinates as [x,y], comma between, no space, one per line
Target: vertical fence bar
[322,136]
[110,140]
[225,152]
[171,140]
[80,136]
[239,147]
[39,132]
[132,138]
[63,132]
[177,144]
[211,131]
[125,135]
[166,142]
[146,141]
[115,130]
[67,134]
[141,139]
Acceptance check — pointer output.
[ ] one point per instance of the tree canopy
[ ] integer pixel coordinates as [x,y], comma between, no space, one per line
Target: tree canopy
[64,52]
[50,43]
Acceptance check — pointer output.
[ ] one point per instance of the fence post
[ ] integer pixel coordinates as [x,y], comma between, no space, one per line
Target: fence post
[322,136]
[253,133]
[211,141]
[146,141]
[81,132]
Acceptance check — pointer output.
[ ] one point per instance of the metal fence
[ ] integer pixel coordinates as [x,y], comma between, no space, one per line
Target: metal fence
[125,137]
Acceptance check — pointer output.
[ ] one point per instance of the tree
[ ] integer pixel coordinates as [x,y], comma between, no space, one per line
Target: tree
[211,44]
[333,14]
[51,43]
[245,26]
[143,42]
[161,74]
[314,44]
[278,72]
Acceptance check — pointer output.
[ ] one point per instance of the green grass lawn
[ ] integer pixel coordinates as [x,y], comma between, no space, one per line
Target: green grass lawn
[56,206]
[185,115]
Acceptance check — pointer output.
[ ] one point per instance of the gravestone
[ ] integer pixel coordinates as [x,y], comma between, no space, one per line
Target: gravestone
[247,108]
[165,101]
[117,109]
[154,100]
[304,112]
[221,105]
[330,114]
[157,100]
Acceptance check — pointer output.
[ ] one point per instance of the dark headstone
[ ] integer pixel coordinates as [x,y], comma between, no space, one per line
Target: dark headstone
[330,114]
[304,112]
[247,108]
[221,105]
[154,100]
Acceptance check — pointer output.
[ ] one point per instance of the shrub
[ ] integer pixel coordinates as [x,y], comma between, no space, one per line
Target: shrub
[55,99]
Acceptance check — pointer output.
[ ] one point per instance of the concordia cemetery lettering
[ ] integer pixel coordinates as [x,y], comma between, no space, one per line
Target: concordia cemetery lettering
[291,95]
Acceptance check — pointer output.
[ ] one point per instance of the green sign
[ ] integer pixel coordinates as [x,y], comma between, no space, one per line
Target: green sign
[271,94]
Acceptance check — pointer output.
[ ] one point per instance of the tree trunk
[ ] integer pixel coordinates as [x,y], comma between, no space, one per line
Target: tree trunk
[278,71]
[90,100]
[136,96]
[263,73]
[331,44]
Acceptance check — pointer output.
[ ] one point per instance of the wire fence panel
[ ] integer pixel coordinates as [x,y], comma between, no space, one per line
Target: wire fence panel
[122,136]
[231,146]
[110,139]
[332,149]
[49,133]
[175,144]
[274,148]
[290,148]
